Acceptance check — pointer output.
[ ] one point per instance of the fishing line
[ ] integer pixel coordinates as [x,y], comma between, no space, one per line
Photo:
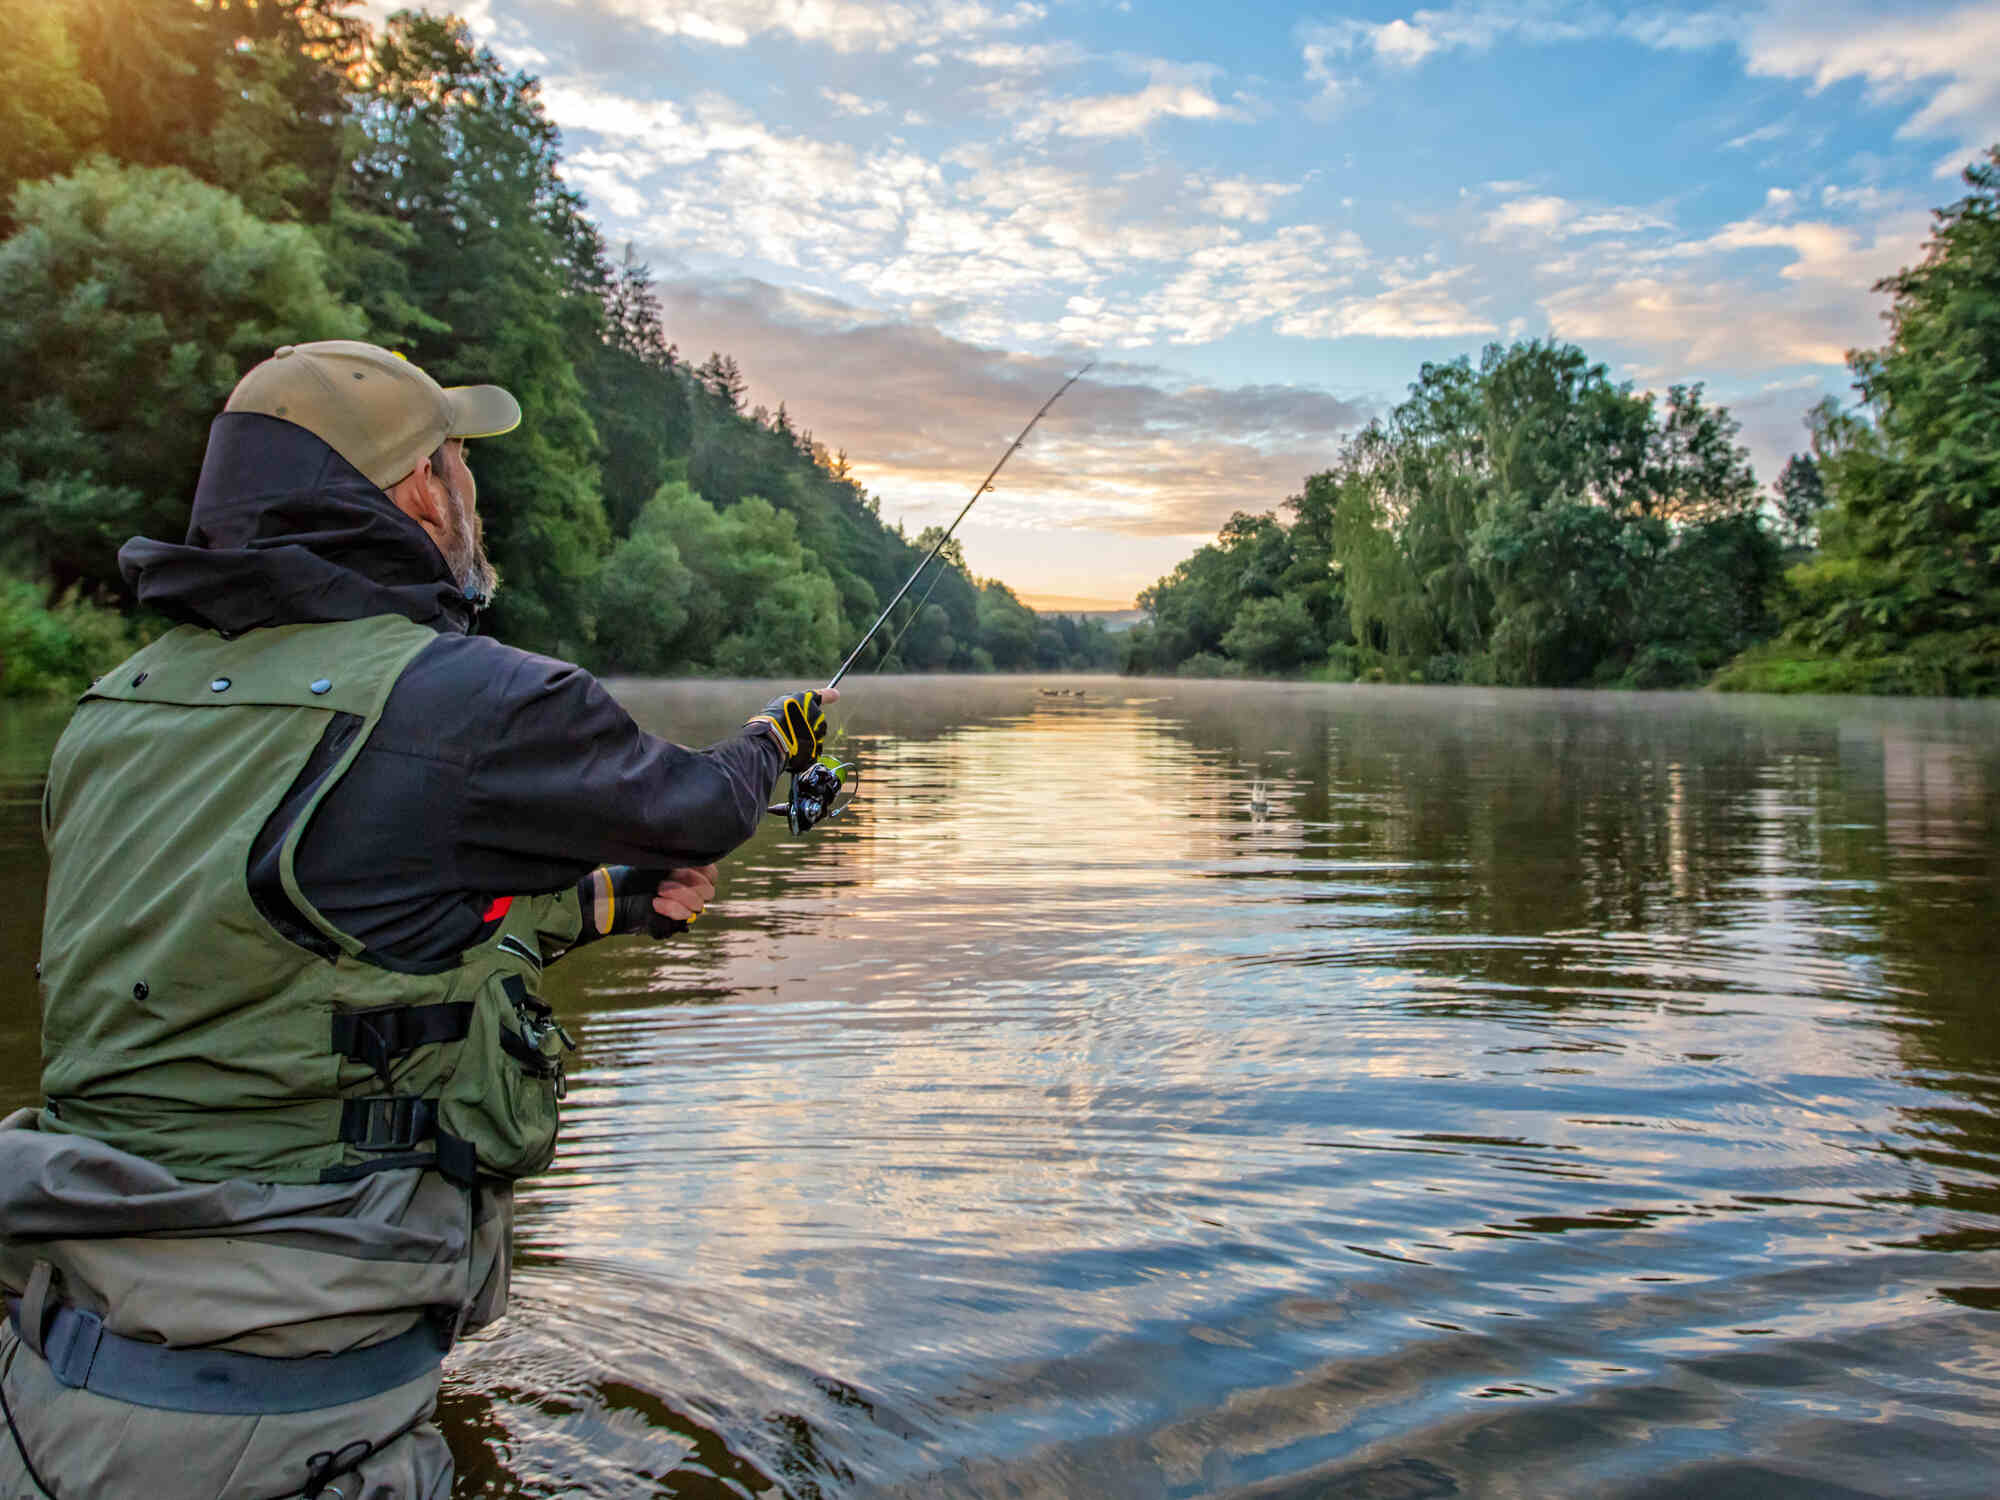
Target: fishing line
[984,485]
[897,639]
[815,790]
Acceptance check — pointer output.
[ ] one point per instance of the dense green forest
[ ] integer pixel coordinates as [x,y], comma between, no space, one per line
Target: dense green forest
[187,184]
[1529,521]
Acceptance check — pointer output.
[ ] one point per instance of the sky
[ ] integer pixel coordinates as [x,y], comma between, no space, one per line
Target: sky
[908,220]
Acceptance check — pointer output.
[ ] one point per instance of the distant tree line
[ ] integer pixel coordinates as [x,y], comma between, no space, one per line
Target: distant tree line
[187,184]
[1529,521]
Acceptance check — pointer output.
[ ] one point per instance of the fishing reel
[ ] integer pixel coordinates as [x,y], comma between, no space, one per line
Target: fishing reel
[815,796]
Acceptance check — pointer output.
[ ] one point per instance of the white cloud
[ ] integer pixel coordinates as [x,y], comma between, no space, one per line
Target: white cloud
[1220,289]
[1243,198]
[1547,217]
[1543,215]
[1319,59]
[1758,137]
[1108,115]
[1418,309]
[1616,221]
[842,25]
[1861,200]
[992,245]
[1942,57]
[1688,322]
[1669,30]
[852,104]
[1020,57]
[1823,252]
[1698,304]
[1400,42]
[1946,56]
[1406,42]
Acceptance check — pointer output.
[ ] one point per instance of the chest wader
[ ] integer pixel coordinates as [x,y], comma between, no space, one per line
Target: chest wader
[200,1012]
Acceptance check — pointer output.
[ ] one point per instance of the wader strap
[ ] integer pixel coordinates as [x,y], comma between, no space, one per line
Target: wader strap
[221,1381]
[34,1303]
[379,1036]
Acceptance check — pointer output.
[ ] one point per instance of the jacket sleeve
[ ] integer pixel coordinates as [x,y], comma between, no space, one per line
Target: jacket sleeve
[564,779]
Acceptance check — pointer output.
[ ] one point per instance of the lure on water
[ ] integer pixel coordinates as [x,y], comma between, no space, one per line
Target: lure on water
[815,788]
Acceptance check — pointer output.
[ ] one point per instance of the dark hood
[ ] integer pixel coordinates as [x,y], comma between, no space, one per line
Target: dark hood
[286,532]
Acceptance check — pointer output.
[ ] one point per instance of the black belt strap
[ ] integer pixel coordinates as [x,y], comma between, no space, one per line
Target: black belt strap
[380,1035]
[81,1353]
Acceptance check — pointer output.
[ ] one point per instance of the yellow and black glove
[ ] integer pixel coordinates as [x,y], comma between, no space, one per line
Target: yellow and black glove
[617,899]
[800,722]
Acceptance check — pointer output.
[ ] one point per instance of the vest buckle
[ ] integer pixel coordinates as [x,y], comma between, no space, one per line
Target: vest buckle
[387,1122]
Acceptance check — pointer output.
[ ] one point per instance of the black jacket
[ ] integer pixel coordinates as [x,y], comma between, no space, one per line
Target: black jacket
[492,772]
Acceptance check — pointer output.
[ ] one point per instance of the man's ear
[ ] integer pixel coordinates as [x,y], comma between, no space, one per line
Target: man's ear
[416,496]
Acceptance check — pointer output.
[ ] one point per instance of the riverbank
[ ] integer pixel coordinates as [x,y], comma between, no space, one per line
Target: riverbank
[1959,664]
[1964,664]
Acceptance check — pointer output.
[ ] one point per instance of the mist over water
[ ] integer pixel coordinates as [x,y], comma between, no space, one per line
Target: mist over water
[1176,1089]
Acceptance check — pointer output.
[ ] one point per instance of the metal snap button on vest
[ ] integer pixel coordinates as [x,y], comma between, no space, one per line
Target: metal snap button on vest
[220,685]
[323,685]
[139,990]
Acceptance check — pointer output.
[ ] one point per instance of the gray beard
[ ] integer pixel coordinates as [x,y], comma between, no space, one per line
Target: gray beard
[465,551]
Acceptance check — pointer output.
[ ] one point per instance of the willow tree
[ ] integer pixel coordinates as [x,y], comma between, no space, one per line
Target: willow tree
[1523,513]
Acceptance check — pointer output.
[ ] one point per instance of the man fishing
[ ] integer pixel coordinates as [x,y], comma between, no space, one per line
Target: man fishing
[310,853]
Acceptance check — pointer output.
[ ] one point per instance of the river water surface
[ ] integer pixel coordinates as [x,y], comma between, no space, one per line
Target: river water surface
[1175,1089]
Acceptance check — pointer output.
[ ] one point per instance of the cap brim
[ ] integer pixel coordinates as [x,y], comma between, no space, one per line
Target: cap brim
[480,411]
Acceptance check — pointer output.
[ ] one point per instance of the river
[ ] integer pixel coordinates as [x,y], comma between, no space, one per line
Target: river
[1154,1088]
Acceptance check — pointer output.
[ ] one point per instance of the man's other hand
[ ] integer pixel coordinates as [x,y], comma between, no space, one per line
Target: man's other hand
[684,894]
[618,898]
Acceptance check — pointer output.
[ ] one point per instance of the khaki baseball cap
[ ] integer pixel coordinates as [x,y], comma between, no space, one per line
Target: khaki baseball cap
[370,405]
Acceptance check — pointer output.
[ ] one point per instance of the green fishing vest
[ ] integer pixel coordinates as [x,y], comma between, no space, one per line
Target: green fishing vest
[179,1022]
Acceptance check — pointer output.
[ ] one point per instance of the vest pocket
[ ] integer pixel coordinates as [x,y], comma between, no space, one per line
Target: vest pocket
[502,1095]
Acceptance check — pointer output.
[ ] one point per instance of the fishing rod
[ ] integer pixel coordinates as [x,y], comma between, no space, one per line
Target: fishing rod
[984,485]
[814,789]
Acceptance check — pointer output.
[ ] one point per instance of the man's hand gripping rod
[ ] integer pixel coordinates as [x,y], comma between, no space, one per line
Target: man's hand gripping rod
[814,789]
